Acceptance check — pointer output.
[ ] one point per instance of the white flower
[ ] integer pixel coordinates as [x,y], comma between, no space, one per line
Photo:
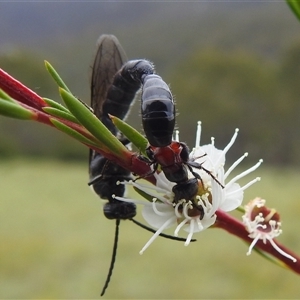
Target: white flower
[263,224]
[196,214]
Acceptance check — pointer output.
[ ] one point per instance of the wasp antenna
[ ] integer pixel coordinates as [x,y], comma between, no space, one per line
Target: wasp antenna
[113,257]
[213,177]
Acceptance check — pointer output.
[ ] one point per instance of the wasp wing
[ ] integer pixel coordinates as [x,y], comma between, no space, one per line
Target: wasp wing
[109,58]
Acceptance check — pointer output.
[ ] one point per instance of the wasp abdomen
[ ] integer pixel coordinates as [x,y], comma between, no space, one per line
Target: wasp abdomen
[158,111]
[120,95]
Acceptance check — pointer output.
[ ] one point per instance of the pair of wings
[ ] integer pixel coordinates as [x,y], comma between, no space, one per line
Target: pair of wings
[109,59]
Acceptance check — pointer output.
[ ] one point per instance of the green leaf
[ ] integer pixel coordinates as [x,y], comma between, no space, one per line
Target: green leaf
[55,104]
[60,114]
[55,76]
[93,124]
[73,133]
[13,110]
[135,137]
[295,7]
[6,97]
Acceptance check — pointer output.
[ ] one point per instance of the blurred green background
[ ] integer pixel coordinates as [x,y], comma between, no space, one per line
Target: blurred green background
[229,64]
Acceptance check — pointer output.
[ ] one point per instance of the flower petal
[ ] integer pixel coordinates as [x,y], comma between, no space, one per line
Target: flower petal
[233,198]
[157,220]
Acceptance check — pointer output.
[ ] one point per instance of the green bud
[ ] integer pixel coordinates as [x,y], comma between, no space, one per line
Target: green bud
[55,76]
[135,137]
[13,110]
[56,105]
[73,133]
[60,114]
[6,97]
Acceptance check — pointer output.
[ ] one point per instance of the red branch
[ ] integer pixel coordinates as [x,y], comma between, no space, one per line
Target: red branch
[20,92]
[237,228]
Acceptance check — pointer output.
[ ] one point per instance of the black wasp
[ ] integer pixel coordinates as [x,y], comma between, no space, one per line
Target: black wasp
[158,117]
[113,89]
[158,111]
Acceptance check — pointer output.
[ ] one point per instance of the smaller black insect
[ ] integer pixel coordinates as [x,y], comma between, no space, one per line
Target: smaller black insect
[158,111]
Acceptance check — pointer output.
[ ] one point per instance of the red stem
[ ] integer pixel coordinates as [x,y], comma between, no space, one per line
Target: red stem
[237,228]
[20,92]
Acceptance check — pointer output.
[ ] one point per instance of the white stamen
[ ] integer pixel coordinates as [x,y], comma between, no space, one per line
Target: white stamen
[200,226]
[244,173]
[157,233]
[281,251]
[253,244]
[198,134]
[159,213]
[234,165]
[263,226]
[177,135]
[177,213]
[189,237]
[212,141]
[231,142]
[244,187]
[185,211]
[179,226]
